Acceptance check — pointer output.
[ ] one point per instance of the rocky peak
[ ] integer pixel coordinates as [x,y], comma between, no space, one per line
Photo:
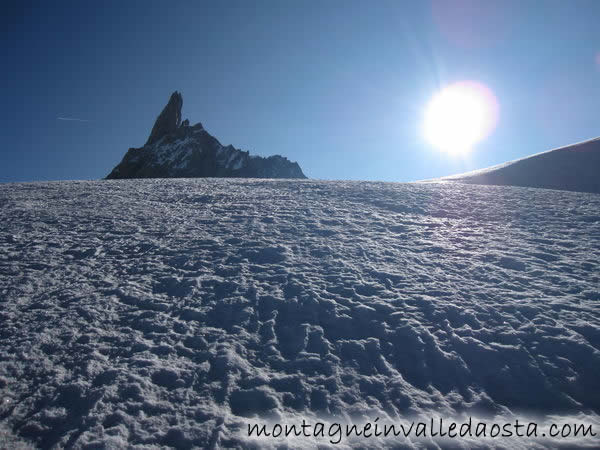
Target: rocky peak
[168,120]
[177,150]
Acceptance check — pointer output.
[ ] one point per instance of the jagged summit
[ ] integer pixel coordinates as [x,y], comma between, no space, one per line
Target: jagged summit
[177,150]
[168,120]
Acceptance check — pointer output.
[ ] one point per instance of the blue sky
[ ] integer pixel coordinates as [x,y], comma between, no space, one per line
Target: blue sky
[339,86]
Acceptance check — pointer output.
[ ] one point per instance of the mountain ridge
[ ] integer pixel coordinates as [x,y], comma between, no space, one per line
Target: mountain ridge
[175,149]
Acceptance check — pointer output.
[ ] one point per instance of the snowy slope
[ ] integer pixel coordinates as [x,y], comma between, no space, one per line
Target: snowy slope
[572,168]
[168,312]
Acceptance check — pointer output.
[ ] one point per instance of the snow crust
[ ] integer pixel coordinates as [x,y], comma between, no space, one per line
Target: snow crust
[168,312]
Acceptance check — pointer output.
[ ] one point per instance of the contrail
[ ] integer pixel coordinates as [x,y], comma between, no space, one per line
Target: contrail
[72,119]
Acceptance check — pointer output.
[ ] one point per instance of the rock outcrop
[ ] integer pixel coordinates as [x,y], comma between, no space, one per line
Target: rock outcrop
[168,120]
[177,150]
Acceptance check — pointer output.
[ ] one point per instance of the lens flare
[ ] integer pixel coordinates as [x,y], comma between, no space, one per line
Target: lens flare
[459,116]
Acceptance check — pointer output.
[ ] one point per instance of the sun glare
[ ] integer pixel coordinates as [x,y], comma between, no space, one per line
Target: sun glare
[459,116]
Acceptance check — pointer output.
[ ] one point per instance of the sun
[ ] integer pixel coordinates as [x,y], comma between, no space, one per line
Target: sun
[459,116]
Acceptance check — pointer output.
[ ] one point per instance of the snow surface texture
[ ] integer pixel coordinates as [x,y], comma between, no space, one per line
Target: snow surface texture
[572,168]
[166,312]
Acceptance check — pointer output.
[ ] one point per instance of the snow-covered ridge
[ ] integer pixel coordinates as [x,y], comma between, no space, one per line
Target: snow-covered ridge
[169,312]
[573,168]
[175,155]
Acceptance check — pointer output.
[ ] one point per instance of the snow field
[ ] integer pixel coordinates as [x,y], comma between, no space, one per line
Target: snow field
[167,312]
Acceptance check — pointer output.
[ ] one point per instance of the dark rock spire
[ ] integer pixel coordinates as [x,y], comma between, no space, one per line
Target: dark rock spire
[177,150]
[168,120]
